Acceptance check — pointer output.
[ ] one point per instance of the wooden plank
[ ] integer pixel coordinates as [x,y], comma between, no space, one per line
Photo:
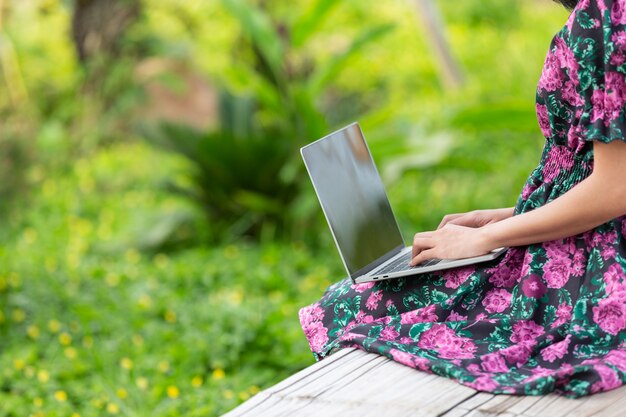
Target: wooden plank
[352,382]
[355,382]
[263,396]
[607,404]
[468,405]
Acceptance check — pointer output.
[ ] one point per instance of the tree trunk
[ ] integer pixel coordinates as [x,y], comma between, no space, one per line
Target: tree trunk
[450,74]
[98,25]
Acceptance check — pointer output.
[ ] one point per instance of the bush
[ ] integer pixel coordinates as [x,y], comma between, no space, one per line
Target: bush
[16,157]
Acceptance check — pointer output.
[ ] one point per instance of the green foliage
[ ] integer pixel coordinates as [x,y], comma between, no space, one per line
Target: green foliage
[247,174]
[16,156]
[143,333]
[499,13]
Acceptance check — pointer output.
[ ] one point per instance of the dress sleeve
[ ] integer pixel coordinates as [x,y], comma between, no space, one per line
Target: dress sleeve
[601,49]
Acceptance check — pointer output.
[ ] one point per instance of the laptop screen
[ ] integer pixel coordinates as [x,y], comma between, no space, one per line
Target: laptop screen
[353,198]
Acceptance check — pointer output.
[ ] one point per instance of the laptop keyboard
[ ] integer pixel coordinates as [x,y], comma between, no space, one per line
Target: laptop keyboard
[402,264]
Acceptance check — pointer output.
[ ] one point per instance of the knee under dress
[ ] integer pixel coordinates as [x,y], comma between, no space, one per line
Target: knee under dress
[545,317]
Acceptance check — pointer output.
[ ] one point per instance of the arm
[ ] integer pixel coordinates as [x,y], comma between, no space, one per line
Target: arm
[477,218]
[592,202]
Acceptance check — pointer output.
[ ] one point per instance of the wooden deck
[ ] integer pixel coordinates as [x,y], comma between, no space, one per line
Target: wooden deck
[352,382]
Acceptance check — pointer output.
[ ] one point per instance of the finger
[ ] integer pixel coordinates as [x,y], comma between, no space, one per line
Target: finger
[423,256]
[448,218]
[421,242]
[468,221]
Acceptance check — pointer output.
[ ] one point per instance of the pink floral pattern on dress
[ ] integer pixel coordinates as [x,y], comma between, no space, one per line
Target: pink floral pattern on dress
[545,317]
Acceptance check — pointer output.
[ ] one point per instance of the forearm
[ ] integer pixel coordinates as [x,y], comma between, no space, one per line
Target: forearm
[590,203]
[505,213]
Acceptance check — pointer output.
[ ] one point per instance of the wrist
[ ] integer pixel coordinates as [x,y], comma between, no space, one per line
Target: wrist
[487,239]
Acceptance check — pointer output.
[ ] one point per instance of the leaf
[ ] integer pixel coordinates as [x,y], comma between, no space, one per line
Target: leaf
[258,28]
[417,329]
[375,331]
[584,20]
[549,315]
[438,296]
[499,338]
[305,26]
[333,67]
[564,297]
[595,262]
[580,309]
[496,116]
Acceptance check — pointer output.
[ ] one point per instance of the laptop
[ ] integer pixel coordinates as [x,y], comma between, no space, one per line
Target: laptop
[355,204]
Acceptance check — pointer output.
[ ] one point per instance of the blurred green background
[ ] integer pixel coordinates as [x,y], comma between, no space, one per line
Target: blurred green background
[158,233]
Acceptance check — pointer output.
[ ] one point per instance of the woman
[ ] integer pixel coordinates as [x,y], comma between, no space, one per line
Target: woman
[550,315]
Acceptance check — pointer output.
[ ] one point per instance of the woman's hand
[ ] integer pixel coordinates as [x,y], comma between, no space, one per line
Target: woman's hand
[450,242]
[477,218]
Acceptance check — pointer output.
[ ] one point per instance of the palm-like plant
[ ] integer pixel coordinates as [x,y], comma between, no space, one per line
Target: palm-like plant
[248,175]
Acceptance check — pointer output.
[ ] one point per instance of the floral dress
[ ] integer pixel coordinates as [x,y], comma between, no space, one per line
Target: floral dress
[545,317]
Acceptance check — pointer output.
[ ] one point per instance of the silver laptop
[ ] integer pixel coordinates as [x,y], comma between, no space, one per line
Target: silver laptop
[358,212]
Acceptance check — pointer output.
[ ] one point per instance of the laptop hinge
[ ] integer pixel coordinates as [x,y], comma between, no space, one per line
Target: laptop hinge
[378,262]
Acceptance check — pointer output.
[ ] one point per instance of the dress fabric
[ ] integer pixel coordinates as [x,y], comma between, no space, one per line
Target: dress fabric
[545,317]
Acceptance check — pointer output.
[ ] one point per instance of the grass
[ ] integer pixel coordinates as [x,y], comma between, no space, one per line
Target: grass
[95,331]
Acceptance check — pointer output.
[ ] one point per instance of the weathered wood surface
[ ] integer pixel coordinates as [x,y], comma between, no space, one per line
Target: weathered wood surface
[352,382]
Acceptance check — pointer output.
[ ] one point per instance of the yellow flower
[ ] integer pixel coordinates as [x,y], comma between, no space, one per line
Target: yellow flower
[170,316]
[235,296]
[137,340]
[112,279]
[144,301]
[32,331]
[30,235]
[132,256]
[14,280]
[172,391]
[97,403]
[126,363]
[196,381]
[254,389]
[228,394]
[218,373]
[54,326]
[75,415]
[65,339]
[142,383]
[18,315]
[43,376]
[243,395]
[70,353]
[37,401]
[60,396]
[161,261]
[122,393]
[29,371]
[113,408]
[19,364]
[164,366]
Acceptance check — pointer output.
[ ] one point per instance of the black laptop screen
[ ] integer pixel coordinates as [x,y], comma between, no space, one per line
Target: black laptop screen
[353,198]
